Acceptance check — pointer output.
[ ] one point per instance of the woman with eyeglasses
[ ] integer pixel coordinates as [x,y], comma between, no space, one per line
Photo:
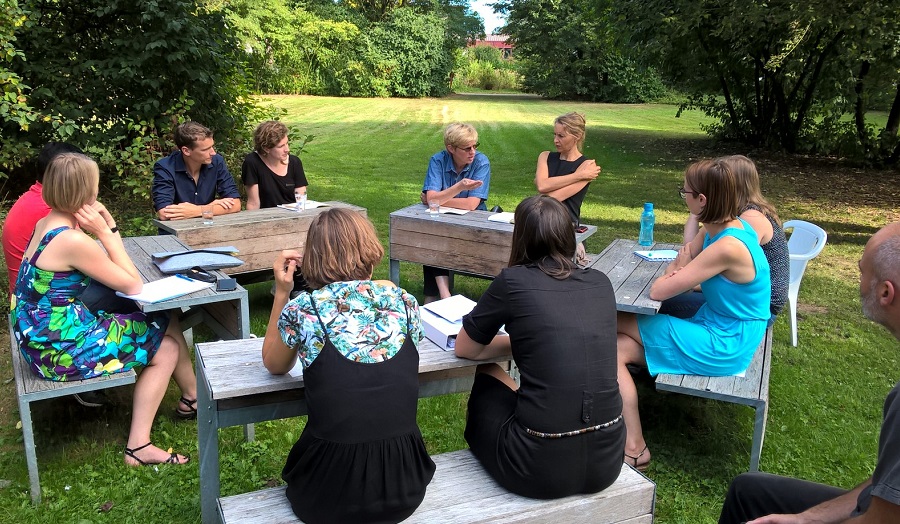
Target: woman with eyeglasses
[566,174]
[722,337]
[763,218]
[457,177]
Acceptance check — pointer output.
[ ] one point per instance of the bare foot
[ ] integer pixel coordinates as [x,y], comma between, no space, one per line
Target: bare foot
[149,454]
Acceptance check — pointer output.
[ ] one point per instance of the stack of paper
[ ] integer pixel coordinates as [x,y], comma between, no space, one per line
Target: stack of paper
[442,320]
[658,255]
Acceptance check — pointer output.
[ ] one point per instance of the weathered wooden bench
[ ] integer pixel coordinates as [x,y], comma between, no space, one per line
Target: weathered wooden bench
[31,388]
[462,492]
[751,390]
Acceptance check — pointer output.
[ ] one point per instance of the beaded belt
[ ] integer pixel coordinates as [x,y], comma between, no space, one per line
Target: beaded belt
[575,432]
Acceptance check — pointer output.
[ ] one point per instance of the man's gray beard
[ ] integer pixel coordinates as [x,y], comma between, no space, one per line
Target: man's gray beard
[870,306]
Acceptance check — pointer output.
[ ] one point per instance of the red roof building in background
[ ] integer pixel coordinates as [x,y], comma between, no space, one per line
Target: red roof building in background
[498,41]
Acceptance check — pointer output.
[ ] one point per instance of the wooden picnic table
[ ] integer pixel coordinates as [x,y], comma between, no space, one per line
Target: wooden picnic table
[631,276]
[468,243]
[225,312]
[258,234]
[234,388]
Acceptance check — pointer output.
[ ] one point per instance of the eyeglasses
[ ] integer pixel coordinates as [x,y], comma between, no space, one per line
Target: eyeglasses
[683,192]
[470,148]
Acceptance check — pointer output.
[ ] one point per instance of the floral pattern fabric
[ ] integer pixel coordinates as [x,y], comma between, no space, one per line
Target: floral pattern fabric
[62,339]
[363,319]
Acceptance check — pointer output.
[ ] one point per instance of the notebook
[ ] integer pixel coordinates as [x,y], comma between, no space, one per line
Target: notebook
[166,288]
[658,255]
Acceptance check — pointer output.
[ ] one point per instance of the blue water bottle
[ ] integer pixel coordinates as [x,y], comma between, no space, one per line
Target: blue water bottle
[647,221]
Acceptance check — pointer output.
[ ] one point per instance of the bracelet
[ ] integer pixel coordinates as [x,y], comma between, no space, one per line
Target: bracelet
[114,229]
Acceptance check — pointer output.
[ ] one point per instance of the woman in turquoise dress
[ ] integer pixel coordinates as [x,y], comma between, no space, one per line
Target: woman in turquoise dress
[62,339]
[721,338]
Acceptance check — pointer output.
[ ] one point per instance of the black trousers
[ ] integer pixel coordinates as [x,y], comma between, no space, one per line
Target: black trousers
[430,284]
[753,495]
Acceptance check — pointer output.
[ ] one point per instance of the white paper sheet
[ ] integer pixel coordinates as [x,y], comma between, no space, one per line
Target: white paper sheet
[166,288]
[505,217]
[310,204]
[451,309]
[452,211]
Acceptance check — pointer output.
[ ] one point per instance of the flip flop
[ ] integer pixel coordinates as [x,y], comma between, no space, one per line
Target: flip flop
[643,467]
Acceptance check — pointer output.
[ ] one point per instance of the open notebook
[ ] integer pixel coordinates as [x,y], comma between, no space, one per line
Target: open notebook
[310,204]
[658,255]
[166,288]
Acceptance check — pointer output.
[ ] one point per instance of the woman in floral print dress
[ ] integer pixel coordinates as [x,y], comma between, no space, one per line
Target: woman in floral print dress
[62,339]
[361,457]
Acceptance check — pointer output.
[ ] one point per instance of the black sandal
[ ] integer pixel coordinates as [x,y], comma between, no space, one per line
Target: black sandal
[186,414]
[642,467]
[173,457]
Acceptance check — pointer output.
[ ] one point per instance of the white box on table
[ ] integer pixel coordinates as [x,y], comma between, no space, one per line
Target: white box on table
[442,319]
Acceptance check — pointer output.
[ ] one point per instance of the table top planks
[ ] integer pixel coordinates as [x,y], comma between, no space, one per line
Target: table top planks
[468,243]
[630,275]
[141,249]
[234,368]
[258,234]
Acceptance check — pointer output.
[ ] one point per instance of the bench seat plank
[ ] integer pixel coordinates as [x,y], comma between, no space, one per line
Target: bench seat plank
[462,492]
[752,390]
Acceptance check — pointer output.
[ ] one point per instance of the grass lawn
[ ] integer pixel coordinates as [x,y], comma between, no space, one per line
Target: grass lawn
[826,395]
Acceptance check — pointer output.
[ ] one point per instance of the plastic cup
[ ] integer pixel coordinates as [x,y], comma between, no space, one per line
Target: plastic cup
[207,213]
[300,198]
[434,209]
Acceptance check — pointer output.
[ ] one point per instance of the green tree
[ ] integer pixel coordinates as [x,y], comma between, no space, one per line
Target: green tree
[567,51]
[413,50]
[779,73]
[121,73]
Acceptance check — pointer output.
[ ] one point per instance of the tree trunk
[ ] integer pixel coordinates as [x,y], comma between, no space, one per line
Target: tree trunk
[860,110]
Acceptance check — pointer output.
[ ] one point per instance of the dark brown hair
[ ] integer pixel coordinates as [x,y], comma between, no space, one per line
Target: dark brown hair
[715,180]
[341,245]
[188,133]
[544,235]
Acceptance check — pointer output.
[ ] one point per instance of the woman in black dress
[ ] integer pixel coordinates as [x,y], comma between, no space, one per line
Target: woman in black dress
[361,457]
[271,174]
[566,174]
[561,432]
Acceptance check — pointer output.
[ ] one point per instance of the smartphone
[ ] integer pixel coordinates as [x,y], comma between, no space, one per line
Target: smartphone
[226,284]
[581,229]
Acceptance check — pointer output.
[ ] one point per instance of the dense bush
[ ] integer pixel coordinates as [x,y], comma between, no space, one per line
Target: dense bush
[115,77]
[483,67]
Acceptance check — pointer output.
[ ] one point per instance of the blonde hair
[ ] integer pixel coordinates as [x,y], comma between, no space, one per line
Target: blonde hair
[457,133]
[749,192]
[341,245]
[574,124]
[267,135]
[70,182]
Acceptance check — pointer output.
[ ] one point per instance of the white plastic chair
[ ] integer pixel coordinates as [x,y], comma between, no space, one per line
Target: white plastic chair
[804,244]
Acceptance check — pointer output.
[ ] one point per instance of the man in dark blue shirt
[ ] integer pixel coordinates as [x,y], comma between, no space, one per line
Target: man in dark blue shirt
[193,176]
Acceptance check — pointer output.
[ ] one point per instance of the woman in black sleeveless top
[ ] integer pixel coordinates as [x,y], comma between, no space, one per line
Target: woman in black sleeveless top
[361,458]
[561,432]
[566,174]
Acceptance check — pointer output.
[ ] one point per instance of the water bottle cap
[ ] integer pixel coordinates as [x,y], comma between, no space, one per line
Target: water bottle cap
[648,206]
